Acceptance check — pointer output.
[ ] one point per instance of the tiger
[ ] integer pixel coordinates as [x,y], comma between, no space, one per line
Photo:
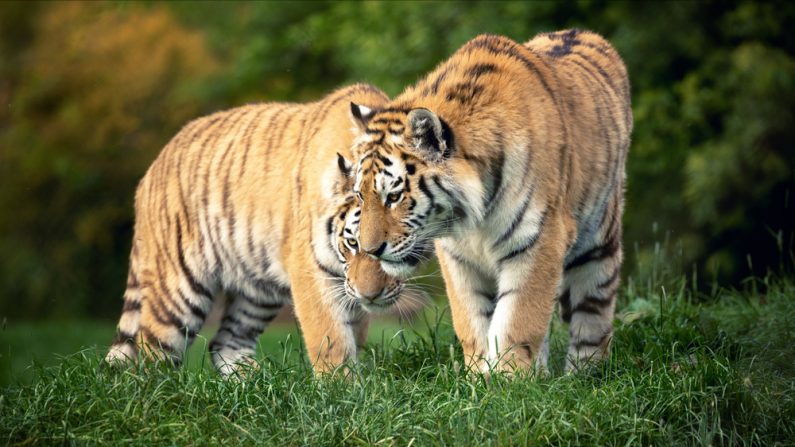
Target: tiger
[508,162]
[246,203]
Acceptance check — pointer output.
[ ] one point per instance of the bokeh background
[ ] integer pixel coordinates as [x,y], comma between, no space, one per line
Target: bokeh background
[90,92]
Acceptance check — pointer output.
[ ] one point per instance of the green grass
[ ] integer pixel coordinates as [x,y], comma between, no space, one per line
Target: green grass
[28,346]
[719,373]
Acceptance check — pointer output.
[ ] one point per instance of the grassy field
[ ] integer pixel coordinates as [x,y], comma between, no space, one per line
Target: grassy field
[716,373]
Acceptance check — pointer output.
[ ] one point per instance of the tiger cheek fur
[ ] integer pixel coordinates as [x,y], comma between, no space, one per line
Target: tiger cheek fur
[512,159]
[243,202]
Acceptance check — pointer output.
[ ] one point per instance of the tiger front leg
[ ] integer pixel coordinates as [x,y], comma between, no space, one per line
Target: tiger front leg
[328,325]
[528,283]
[471,303]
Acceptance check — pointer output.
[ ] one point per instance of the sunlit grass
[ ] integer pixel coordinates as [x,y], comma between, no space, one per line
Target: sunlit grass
[680,374]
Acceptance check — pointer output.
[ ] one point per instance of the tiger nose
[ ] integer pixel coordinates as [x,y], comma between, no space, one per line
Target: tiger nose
[376,252]
[371,297]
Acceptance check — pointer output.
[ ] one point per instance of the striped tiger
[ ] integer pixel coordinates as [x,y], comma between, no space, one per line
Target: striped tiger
[243,202]
[508,161]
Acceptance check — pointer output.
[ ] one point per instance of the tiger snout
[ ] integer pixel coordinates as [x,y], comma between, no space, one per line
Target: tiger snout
[369,284]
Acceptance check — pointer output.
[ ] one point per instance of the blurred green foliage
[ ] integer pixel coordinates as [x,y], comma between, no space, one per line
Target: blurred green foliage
[91,91]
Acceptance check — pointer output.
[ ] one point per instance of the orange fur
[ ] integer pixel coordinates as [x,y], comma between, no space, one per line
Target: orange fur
[511,157]
[243,202]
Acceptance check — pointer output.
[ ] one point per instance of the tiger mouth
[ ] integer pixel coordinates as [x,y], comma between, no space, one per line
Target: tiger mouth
[386,300]
[386,303]
[411,259]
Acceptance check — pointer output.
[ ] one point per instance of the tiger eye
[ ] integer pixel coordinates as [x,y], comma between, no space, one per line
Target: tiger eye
[393,197]
[351,242]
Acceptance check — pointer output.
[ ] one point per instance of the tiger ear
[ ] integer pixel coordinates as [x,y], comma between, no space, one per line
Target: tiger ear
[343,179]
[431,136]
[344,165]
[360,116]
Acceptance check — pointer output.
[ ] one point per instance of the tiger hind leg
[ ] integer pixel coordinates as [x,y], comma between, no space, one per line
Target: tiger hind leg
[235,343]
[170,321]
[588,300]
[123,348]
[164,308]
[588,307]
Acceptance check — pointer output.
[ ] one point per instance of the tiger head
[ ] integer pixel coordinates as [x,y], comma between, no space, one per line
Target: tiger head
[402,183]
[366,283]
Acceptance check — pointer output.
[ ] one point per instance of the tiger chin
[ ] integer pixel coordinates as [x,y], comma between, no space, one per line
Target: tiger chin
[378,292]
[245,202]
[509,160]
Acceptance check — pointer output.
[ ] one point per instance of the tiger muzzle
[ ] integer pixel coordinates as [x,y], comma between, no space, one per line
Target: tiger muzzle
[366,278]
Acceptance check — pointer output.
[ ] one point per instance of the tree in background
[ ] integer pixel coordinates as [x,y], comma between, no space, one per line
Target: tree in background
[714,90]
[95,90]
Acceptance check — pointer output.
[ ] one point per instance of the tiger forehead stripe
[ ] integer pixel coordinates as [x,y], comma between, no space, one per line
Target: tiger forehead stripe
[397,130]
[394,130]
[367,160]
[384,160]
[386,120]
